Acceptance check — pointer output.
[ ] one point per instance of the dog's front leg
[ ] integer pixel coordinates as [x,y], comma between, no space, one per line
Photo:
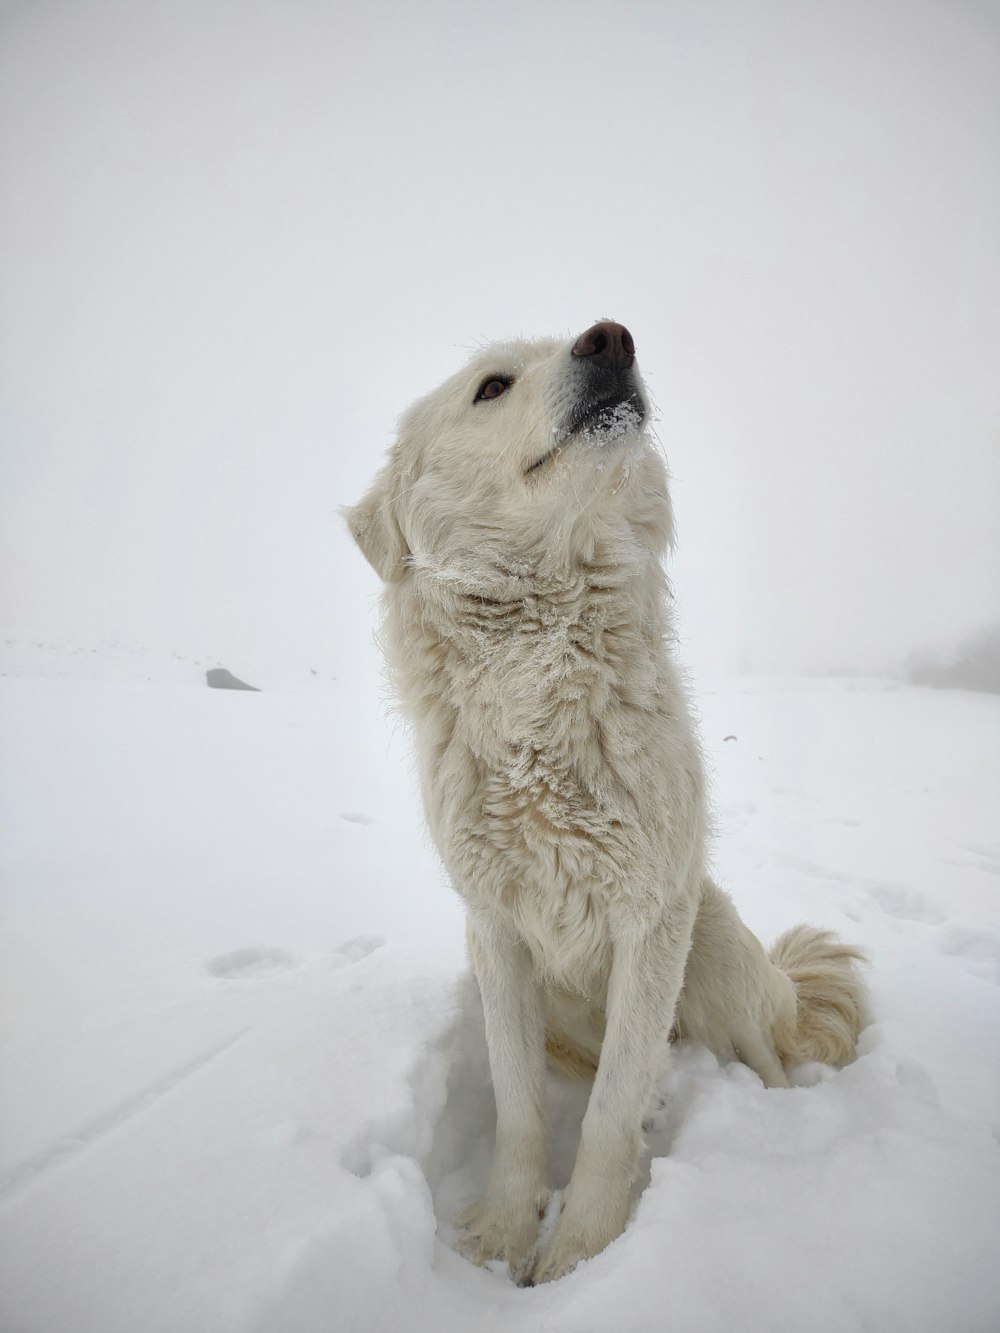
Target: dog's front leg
[646,973]
[504,1224]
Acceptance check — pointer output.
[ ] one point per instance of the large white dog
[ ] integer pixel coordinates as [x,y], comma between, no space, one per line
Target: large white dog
[519,525]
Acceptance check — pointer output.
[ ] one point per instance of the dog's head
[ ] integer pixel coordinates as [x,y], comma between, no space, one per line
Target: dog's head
[521,464]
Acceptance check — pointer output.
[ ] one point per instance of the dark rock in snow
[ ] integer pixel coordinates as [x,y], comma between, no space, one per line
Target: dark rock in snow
[220,679]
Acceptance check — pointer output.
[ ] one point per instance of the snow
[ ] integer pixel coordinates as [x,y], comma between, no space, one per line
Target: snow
[245,1085]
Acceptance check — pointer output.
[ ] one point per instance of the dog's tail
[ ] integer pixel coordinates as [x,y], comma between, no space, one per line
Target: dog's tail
[831,1000]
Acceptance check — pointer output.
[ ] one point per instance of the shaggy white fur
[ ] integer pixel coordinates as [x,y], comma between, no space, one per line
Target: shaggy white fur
[519,526]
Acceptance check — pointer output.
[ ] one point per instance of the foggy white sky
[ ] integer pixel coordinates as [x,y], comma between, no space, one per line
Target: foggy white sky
[238,238]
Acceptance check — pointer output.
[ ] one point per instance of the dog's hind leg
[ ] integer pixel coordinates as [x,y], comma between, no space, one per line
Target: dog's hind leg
[803,1002]
[733,996]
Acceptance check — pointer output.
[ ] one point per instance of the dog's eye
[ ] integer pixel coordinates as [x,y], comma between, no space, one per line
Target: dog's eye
[493,387]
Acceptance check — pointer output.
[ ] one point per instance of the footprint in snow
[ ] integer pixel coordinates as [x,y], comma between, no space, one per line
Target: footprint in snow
[979,948]
[907,904]
[916,1079]
[352,951]
[979,855]
[252,964]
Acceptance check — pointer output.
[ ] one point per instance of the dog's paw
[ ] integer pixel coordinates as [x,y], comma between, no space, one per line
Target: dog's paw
[580,1234]
[502,1229]
[561,1258]
[566,1251]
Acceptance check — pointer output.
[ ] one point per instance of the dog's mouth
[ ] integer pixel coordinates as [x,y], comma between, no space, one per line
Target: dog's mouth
[605,420]
[611,418]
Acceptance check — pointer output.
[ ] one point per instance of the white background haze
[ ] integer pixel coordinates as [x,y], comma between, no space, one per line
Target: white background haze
[239,238]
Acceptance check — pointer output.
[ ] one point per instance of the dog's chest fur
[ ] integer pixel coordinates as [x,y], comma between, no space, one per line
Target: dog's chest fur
[557,782]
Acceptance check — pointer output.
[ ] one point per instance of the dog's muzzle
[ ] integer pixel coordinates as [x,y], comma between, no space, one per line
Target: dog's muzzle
[609,402]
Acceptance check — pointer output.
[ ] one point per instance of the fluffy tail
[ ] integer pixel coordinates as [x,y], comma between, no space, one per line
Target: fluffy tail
[831,1000]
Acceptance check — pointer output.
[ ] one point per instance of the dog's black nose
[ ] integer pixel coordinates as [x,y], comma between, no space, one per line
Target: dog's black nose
[606,344]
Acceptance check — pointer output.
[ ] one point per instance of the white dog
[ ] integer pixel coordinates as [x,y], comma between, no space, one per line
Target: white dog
[519,525]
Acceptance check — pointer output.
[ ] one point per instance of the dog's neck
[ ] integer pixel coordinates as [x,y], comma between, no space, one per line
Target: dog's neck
[529,631]
[504,577]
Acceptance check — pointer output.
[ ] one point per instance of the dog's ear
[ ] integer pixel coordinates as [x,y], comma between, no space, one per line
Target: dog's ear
[374,525]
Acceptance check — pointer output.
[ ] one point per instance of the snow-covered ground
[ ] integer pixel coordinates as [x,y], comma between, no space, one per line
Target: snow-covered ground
[244,1079]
